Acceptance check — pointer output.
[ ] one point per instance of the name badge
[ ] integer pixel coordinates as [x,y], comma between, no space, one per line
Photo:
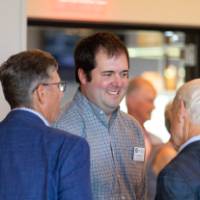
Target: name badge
[138,154]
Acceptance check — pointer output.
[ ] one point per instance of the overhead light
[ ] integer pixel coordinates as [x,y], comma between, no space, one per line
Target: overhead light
[168,33]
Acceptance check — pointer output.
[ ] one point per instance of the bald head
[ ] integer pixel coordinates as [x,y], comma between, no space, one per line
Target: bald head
[140,99]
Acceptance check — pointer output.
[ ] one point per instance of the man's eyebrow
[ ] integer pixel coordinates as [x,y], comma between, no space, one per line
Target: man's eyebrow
[125,70]
[109,71]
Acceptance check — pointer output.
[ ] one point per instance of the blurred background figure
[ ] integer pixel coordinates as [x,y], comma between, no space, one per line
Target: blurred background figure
[167,152]
[140,104]
[163,155]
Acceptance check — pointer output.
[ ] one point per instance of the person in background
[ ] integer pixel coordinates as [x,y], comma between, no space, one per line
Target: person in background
[37,161]
[115,139]
[180,179]
[167,151]
[140,98]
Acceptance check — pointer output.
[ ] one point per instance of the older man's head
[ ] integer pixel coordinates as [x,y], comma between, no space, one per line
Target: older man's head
[186,113]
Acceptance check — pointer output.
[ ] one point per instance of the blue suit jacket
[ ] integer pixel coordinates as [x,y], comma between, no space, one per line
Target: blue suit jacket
[180,179]
[39,163]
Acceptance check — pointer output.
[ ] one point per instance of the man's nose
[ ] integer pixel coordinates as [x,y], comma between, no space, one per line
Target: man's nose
[117,80]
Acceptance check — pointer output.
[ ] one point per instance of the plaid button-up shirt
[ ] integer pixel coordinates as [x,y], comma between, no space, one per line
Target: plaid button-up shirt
[115,175]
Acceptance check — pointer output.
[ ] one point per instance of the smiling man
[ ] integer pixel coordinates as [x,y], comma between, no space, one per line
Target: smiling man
[115,139]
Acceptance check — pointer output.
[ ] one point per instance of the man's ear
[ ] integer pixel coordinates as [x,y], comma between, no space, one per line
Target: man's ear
[40,94]
[182,110]
[82,76]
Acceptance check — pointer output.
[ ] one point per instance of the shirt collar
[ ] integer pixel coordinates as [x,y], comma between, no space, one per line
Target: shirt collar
[34,112]
[191,140]
[99,113]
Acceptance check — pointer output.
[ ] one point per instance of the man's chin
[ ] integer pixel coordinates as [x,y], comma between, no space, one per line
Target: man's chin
[111,108]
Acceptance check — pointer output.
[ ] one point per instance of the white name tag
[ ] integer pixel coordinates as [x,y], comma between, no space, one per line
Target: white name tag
[138,153]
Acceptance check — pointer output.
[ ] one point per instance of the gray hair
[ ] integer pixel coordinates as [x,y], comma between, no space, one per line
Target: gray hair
[190,94]
[22,73]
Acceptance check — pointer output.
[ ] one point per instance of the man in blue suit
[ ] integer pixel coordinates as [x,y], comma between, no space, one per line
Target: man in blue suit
[38,162]
[180,179]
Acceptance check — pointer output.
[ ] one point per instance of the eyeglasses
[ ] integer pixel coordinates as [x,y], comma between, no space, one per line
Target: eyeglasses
[61,85]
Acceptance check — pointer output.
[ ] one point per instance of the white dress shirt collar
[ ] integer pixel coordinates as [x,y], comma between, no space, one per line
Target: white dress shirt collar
[34,112]
[191,140]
